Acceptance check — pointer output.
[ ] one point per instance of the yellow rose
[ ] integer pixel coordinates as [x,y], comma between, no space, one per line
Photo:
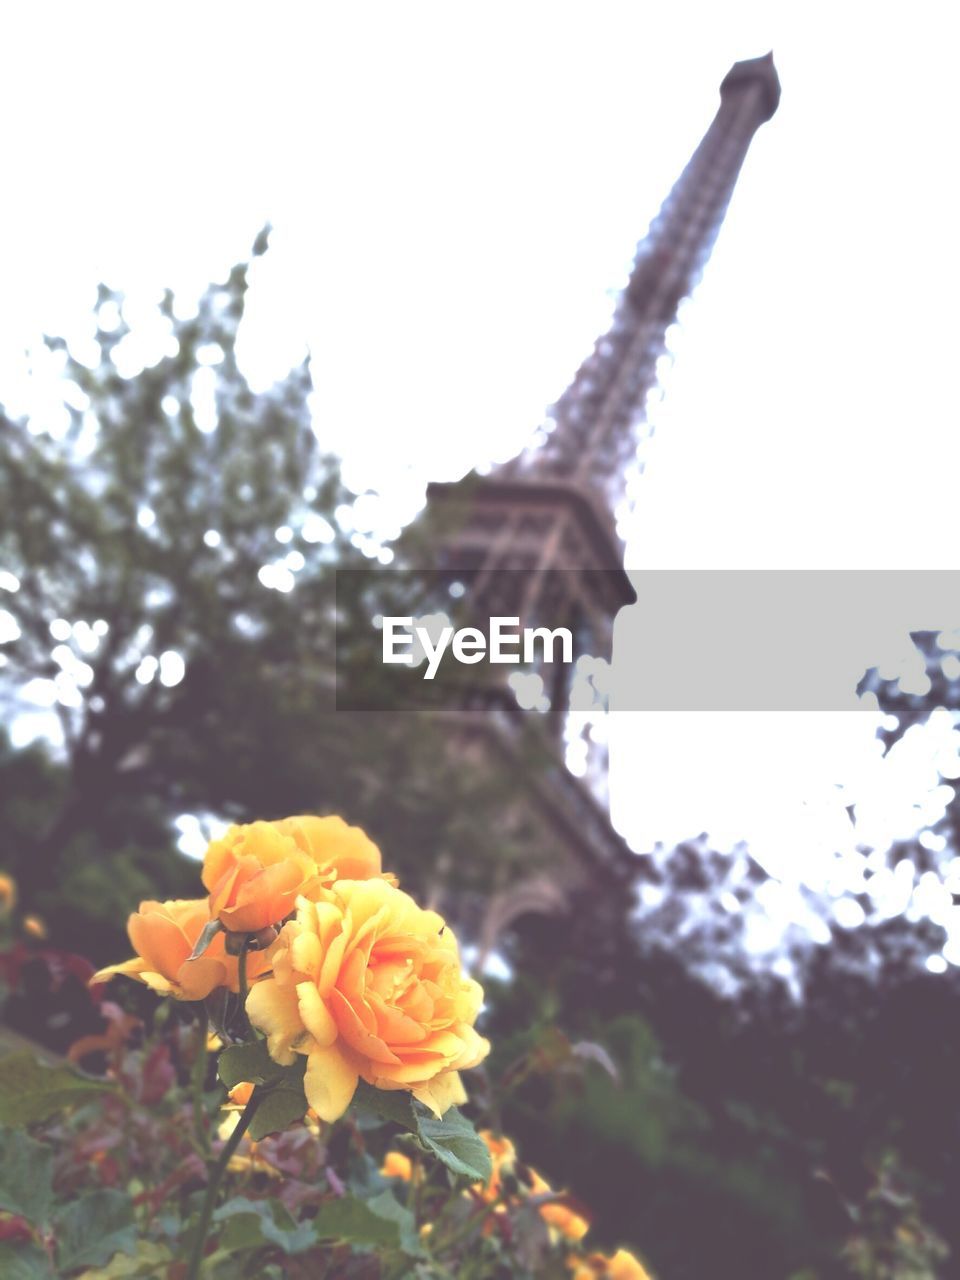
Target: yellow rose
[163,935]
[256,872]
[620,1266]
[367,984]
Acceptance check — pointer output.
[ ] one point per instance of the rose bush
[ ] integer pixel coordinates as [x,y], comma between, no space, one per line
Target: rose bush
[363,1004]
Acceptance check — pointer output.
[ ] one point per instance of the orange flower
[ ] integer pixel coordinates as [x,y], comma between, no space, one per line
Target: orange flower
[502,1157]
[340,851]
[501,1150]
[256,872]
[397,1165]
[620,1266]
[163,935]
[367,984]
[35,927]
[558,1216]
[8,893]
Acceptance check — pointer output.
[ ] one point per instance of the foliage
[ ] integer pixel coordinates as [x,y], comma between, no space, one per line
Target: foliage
[183,685]
[31,1090]
[109,1185]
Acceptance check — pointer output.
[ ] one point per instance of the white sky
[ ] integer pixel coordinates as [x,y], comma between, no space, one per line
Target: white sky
[456,190]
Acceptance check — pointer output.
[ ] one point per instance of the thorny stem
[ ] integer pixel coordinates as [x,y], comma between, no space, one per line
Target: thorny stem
[198,1078]
[242,971]
[213,1186]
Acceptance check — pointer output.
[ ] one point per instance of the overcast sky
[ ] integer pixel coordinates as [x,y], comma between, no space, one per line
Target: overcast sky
[457,191]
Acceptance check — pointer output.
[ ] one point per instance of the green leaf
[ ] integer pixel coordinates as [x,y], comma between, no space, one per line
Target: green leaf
[89,1231]
[241,1230]
[251,1224]
[24,1262]
[284,1102]
[26,1177]
[150,1259]
[252,1063]
[31,1091]
[389,1104]
[283,1106]
[287,1235]
[356,1222]
[454,1140]
[386,1205]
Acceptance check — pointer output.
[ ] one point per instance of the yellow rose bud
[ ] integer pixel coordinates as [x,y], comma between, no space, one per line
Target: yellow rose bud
[163,935]
[558,1216]
[256,872]
[620,1266]
[397,1165]
[368,984]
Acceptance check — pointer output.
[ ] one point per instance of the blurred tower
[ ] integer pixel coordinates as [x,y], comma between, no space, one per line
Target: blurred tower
[537,537]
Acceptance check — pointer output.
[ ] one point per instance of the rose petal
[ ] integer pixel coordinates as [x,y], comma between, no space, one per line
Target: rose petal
[330,1082]
[315,1015]
[158,939]
[197,978]
[129,968]
[443,1091]
[274,1010]
[354,1032]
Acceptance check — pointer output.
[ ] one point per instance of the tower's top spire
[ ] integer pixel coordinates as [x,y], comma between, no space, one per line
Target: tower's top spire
[591,432]
[760,70]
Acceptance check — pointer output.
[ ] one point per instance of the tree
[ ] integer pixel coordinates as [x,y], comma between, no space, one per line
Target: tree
[173,556]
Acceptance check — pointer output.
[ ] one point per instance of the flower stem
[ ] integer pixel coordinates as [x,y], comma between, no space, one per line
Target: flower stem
[242,972]
[198,1079]
[213,1186]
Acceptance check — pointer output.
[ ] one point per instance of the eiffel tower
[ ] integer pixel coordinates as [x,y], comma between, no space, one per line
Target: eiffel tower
[537,537]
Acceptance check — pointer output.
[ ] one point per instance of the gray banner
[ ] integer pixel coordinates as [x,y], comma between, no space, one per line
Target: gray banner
[695,640]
